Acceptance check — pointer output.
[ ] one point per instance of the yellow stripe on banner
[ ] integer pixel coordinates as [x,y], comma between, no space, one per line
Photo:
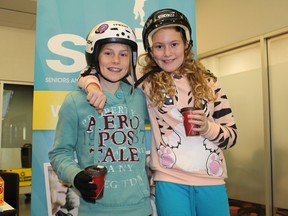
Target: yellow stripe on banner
[46,106]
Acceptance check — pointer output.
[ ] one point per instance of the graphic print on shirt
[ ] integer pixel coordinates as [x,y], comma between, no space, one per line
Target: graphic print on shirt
[88,127]
[117,134]
[120,145]
[214,161]
[165,151]
[187,153]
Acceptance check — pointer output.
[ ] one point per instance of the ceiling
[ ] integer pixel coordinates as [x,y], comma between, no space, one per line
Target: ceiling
[18,13]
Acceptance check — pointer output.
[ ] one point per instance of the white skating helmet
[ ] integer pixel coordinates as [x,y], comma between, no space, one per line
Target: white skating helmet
[109,32]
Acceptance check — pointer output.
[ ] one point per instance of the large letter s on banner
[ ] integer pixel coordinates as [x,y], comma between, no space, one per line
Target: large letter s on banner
[55,46]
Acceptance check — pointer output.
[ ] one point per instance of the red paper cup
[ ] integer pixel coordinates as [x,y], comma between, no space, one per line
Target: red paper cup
[189,127]
[98,174]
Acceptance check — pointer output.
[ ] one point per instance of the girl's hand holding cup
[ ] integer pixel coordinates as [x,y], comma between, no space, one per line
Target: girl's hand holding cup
[194,120]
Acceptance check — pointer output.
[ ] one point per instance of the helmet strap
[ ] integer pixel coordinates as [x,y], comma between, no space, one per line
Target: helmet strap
[87,72]
[139,81]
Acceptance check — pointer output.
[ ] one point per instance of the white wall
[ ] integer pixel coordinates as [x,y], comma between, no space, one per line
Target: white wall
[17,54]
[223,22]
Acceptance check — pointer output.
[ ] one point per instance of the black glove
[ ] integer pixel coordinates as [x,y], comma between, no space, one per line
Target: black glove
[82,182]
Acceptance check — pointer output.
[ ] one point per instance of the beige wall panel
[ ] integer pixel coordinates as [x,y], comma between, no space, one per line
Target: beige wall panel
[278,73]
[223,22]
[17,54]
[239,73]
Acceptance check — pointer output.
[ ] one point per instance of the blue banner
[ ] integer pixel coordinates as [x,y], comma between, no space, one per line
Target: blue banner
[61,30]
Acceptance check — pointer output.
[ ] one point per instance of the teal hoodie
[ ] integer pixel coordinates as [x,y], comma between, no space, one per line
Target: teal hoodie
[115,139]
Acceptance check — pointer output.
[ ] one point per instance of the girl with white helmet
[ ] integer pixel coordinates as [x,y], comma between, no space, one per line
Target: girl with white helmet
[189,171]
[115,138]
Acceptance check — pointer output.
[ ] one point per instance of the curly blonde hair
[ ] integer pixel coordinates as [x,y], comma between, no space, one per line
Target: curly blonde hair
[198,77]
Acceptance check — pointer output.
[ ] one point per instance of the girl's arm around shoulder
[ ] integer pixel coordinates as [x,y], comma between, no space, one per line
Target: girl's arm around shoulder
[222,128]
[85,80]
[92,86]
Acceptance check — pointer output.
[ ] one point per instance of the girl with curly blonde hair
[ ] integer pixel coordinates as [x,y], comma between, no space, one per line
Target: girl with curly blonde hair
[189,171]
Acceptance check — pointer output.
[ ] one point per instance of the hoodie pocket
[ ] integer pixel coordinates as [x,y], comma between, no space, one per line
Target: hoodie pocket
[123,189]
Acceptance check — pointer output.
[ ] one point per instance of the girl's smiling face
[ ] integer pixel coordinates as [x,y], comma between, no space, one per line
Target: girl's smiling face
[114,61]
[168,49]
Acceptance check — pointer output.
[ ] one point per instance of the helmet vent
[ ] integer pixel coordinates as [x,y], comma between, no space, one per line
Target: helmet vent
[108,32]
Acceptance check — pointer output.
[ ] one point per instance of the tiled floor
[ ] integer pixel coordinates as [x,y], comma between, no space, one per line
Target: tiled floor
[24,205]
[252,209]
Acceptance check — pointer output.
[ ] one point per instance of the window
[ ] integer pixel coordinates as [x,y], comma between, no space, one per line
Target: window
[17,101]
